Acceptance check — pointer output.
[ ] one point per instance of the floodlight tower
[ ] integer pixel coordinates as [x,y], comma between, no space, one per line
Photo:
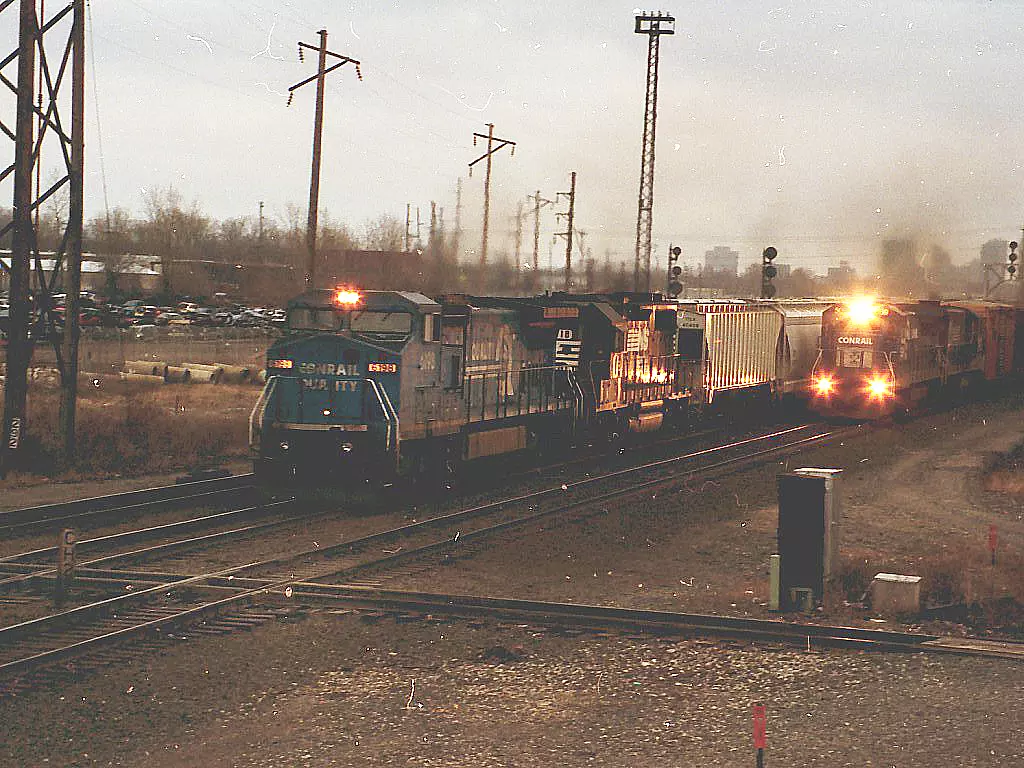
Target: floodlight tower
[654,25]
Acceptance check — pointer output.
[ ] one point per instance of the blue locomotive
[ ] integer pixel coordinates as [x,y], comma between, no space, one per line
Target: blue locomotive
[379,384]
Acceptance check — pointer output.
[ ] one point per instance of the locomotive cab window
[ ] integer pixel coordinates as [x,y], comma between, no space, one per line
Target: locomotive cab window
[312,319]
[431,327]
[856,358]
[381,322]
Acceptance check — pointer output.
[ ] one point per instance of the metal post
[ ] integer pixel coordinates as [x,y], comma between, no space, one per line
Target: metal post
[19,348]
[69,381]
[314,181]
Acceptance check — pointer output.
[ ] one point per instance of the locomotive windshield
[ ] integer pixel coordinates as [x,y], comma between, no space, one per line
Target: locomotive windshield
[855,358]
[381,322]
[312,319]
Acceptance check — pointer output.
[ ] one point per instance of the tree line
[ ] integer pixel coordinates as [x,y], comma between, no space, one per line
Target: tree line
[273,251]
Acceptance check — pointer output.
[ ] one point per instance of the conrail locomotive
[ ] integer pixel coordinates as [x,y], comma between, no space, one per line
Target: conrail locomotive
[374,385]
[880,358]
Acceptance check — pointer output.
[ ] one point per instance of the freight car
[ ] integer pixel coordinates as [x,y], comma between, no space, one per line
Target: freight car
[879,358]
[380,384]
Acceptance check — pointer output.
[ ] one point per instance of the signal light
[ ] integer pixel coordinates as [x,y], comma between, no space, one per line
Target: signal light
[768,272]
[1011,268]
[675,287]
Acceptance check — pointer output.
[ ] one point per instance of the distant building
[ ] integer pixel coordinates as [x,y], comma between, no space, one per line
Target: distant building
[721,258]
[783,271]
[136,273]
[844,272]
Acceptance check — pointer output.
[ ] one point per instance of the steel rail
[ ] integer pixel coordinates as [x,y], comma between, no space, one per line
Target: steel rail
[77,509]
[653,622]
[54,621]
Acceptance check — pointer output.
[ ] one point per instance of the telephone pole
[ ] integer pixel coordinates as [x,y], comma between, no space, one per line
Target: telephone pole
[571,194]
[654,25]
[457,236]
[491,149]
[539,203]
[39,131]
[259,237]
[318,129]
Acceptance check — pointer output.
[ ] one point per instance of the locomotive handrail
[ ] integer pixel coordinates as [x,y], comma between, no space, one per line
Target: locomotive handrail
[392,415]
[259,411]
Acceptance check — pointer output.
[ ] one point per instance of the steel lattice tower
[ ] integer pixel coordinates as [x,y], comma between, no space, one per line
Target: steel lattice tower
[654,25]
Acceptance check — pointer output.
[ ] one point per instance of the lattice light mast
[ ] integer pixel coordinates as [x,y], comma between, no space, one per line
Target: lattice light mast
[40,135]
[654,25]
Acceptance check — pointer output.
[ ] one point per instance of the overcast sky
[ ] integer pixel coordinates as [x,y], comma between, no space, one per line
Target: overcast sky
[818,127]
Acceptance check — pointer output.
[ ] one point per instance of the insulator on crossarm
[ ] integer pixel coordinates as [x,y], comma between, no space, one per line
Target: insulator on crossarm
[300,53]
[290,97]
[359,72]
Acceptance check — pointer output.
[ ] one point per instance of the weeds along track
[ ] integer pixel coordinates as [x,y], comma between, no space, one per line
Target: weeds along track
[152,601]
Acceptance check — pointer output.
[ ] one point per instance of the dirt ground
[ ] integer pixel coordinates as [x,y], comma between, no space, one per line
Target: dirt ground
[343,690]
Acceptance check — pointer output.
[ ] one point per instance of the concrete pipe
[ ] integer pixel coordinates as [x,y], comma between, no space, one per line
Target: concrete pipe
[176,374]
[203,375]
[142,378]
[147,367]
[215,371]
[235,374]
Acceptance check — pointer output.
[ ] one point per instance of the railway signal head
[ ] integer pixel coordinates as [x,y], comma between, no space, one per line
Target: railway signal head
[768,272]
[1011,268]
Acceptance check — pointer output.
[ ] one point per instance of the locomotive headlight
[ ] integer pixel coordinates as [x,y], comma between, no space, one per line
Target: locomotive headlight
[878,387]
[284,445]
[346,447]
[326,411]
[824,385]
[862,310]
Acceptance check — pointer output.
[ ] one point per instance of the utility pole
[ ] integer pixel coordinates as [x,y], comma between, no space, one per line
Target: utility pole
[571,194]
[318,128]
[538,203]
[519,234]
[491,149]
[457,237]
[408,241]
[259,237]
[654,25]
[36,128]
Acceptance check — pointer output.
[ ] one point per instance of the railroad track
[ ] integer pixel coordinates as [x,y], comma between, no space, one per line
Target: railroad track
[184,598]
[71,513]
[594,618]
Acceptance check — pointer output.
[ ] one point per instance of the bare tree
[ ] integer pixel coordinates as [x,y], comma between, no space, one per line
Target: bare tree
[385,233]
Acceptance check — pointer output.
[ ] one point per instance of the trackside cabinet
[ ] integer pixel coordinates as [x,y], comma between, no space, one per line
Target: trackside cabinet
[808,534]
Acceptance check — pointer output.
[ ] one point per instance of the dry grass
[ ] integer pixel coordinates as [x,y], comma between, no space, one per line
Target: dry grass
[126,429]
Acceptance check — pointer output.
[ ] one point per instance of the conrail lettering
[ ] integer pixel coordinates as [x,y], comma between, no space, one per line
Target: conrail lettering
[329,369]
[856,340]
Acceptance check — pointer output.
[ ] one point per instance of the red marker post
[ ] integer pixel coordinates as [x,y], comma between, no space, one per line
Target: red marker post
[760,732]
[993,540]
